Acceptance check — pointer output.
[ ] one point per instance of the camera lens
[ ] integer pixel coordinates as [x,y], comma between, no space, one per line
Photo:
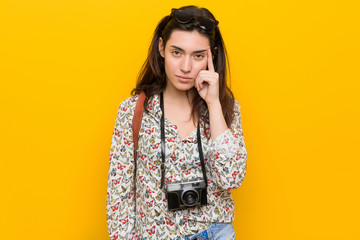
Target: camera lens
[190,197]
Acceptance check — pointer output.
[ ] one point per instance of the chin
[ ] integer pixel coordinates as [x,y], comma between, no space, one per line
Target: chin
[184,87]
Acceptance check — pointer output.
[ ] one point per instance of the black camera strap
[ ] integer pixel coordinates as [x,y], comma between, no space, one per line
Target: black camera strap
[162,125]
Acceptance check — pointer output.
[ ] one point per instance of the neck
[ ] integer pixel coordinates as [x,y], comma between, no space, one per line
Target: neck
[174,96]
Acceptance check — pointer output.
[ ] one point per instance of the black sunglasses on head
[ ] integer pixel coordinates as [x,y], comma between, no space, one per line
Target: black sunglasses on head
[183,17]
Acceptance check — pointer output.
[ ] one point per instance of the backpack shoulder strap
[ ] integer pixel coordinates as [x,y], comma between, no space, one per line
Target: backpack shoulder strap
[136,123]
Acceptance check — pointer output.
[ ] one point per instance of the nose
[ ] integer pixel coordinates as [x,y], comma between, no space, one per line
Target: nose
[185,64]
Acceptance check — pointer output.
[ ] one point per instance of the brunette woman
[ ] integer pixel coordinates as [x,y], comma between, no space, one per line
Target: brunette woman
[191,151]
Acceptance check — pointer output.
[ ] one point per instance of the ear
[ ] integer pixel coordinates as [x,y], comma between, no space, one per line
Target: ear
[215,52]
[161,47]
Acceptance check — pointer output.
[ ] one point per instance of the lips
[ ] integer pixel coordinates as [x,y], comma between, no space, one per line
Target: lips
[184,79]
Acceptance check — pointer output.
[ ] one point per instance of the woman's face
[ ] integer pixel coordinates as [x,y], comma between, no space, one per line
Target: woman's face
[185,55]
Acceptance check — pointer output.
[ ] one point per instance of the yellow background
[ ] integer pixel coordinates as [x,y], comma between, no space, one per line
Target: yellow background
[66,65]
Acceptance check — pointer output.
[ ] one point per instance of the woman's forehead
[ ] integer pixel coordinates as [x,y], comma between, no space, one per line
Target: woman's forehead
[188,40]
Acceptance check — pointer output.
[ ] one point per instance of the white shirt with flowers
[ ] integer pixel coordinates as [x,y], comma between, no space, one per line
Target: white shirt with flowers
[225,161]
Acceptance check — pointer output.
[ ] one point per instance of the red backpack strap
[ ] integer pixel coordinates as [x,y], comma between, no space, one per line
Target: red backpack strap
[139,108]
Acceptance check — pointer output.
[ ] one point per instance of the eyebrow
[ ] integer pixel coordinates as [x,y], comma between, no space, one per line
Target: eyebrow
[197,51]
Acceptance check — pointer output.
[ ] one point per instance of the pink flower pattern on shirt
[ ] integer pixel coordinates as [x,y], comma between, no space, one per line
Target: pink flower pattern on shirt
[225,160]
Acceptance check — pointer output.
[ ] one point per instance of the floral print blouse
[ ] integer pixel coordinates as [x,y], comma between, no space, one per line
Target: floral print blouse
[225,161]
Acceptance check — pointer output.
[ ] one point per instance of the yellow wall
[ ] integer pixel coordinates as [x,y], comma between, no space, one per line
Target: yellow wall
[66,65]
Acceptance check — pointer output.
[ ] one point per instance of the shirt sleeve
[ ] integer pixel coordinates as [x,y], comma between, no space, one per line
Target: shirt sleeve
[228,155]
[120,191]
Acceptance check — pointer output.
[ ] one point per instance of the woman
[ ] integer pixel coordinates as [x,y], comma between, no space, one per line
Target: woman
[183,182]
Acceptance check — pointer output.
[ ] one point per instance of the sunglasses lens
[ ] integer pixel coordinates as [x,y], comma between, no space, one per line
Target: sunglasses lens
[206,23]
[182,16]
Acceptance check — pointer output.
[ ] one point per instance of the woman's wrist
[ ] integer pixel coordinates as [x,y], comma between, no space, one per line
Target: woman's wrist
[214,106]
[217,121]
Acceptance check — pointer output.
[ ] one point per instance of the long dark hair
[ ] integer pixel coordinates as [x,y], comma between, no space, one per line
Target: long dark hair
[152,76]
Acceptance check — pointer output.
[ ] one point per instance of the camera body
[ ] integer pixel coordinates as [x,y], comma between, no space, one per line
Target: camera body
[186,194]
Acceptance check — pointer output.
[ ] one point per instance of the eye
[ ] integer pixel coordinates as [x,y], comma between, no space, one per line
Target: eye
[199,56]
[176,52]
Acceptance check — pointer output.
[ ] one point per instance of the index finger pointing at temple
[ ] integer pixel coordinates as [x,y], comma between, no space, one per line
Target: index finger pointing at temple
[210,62]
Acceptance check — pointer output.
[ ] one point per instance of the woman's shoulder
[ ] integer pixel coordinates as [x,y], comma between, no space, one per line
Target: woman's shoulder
[127,107]
[129,103]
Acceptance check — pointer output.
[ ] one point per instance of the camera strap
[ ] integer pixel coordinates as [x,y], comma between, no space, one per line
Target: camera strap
[162,125]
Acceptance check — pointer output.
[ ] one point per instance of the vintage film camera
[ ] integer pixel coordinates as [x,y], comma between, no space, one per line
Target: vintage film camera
[186,194]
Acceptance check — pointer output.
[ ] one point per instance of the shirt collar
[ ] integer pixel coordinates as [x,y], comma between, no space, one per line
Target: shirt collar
[153,106]
[154,110]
